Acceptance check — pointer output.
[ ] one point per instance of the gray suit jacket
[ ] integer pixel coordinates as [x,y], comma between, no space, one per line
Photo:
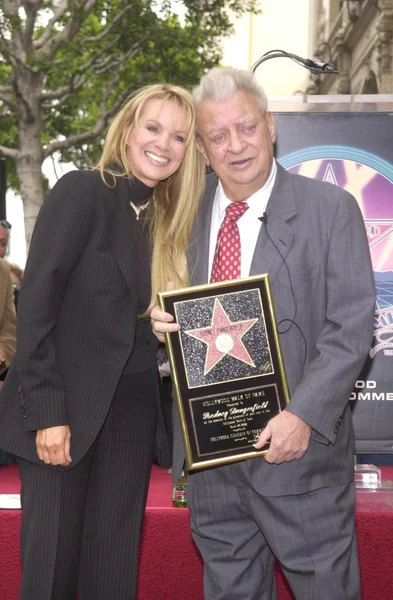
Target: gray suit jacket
[317,228]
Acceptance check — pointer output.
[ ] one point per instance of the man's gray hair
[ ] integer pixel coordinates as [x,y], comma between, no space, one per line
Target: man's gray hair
[220,84]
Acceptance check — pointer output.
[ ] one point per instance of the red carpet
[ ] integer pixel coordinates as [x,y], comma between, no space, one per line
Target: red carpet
[170,566]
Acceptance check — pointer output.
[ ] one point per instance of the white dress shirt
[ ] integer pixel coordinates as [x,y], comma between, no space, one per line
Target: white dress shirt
[249,224]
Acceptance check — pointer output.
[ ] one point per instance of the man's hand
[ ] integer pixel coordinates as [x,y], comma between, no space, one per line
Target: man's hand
[2,356]
[53,445]
[162,322]
[289,438]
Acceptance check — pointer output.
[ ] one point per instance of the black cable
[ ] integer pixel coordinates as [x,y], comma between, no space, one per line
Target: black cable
[292,321]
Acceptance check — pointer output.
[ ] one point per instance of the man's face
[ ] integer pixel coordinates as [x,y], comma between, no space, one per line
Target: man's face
[236,140]
[4,233]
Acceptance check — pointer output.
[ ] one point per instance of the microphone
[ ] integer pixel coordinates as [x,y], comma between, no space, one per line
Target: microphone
[314,65]
[317,66]
[263,219]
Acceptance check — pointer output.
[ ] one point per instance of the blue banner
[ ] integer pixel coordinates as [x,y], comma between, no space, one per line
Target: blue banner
[355,151]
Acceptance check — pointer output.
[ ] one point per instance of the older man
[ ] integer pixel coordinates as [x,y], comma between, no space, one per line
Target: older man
[298,502]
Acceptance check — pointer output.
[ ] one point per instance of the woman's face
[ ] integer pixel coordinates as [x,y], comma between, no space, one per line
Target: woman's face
[156,146]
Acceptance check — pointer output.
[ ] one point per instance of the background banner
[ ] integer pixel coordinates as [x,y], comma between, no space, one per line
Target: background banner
[355,151]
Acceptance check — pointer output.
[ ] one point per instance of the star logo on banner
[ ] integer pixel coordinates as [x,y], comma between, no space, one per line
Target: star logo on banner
[223,337]
[378,230]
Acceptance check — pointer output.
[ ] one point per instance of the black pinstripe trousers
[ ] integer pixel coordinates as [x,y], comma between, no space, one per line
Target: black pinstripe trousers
[84,523]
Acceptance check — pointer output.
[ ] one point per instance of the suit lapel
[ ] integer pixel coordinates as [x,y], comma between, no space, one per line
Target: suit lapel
[121,228]
[280,209]
[198,250]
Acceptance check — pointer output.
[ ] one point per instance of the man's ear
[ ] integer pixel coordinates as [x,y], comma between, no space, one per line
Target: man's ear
[201,149]
[272,126]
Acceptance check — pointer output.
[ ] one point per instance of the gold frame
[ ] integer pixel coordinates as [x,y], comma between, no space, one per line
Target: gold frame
[263,284]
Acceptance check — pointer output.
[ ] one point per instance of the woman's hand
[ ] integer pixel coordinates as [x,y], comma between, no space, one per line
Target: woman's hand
[53,445]
[162,322]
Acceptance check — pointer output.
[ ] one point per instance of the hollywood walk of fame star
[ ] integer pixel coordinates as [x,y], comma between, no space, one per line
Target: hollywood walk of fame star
[223,337]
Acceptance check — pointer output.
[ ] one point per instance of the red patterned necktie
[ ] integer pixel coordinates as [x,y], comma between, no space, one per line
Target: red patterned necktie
[226,262]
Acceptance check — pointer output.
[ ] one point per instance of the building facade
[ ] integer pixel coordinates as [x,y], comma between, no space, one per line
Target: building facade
[356,37]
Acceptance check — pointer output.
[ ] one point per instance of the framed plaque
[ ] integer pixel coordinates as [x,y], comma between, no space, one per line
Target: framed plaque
[227,368]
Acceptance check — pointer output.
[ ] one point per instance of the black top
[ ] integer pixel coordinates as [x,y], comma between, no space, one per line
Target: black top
[143,356]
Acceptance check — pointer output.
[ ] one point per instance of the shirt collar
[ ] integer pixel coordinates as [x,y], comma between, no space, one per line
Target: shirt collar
[257,202]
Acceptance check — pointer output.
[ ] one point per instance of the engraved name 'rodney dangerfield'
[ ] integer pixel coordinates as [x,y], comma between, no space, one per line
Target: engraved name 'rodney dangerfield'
[228,329]
[235,411]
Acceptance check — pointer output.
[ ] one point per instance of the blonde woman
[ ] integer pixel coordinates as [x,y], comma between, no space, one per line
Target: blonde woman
[80,407]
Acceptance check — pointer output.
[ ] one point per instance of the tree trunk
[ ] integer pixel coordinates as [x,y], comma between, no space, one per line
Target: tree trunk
[31,189]
[30,155]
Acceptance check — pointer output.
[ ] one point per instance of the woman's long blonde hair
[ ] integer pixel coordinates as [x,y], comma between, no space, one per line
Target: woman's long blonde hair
[176,199]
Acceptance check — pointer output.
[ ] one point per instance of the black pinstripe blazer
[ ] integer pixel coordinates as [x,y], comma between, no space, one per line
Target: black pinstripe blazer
[77,317]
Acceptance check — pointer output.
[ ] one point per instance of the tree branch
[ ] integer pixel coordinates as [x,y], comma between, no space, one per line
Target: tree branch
[7,51]
[5,46]
[88,66]
[46,117]
[8,152]
[11,105]
[106,114]
[57,13]
[31,9]
[75,83]
[17,49]
[54,167]
[111,62]
[89,5]
[87,158]
[106,30]
[97,67]
[71,28]
[61,94]
[11,6]
[74,140]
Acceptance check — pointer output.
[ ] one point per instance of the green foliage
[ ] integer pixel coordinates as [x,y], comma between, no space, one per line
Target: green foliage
[166,48]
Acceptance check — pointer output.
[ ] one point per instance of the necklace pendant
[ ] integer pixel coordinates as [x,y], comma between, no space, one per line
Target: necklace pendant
[139,209]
